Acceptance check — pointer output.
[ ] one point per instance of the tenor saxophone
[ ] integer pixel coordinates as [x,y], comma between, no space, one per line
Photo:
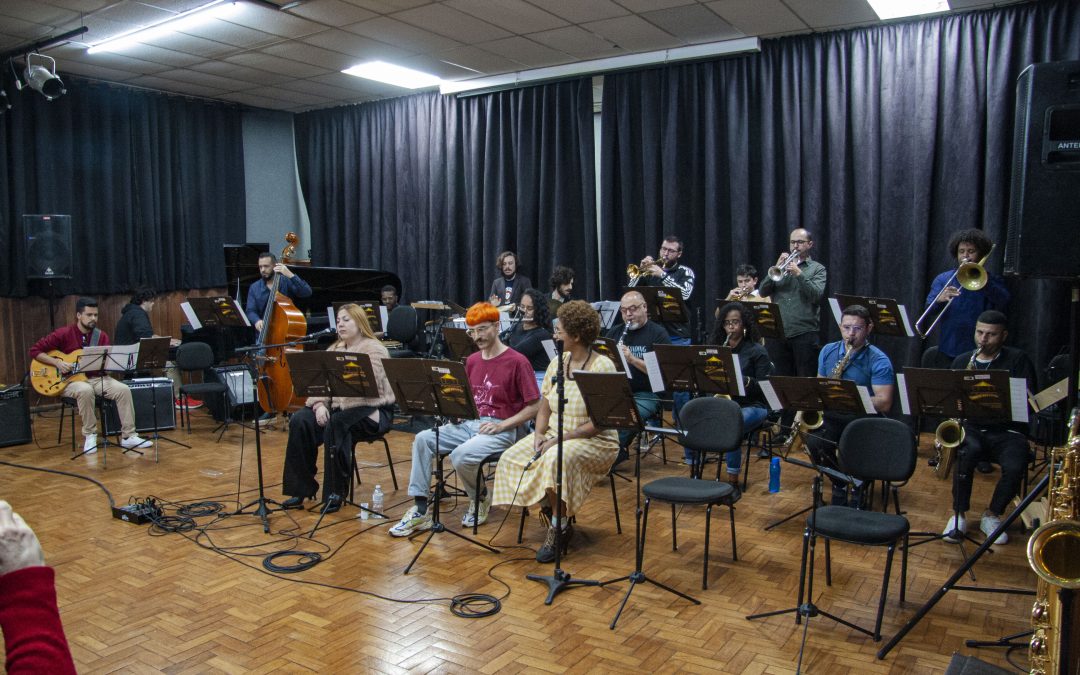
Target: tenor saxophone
[1054,553]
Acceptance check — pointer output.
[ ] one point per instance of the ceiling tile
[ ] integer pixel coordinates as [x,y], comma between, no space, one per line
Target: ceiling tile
[577,42]
[526,52]
[451,23]
[196,46]
[633,33]
[205,79]
[693,23]
[291,96]
[388,6]
[437,67]
[316,56]
[233,34]
[478,60]
[516,16]
[331,12]
[821,15]
[113,60]
[236,71]
[402,35]
[360,85]
[640,6]
[356,45]
[24,31]
[160,55]
[95,71]
[81,6]
[576,11]
[35,12]
[275,64]
[324,90]
[270,21]
[163,84]
[759,17]
[257,101]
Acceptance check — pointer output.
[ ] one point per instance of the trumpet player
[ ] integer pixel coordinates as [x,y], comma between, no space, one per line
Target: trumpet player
[855,359]
[797,288]
[1006,443]
[958,324]
[636,336]
[746,281]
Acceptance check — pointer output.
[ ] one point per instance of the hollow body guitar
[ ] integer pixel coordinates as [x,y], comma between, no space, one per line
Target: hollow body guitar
[48,380]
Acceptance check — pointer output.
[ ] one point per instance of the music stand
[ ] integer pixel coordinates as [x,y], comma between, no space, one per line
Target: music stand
[813,394]
[440,389]
[105,359]
[152,353]
[459,343]
[888,317]
[219,311]
[610,349]
[767,314]
[665,304]
[330,374]
[984,395]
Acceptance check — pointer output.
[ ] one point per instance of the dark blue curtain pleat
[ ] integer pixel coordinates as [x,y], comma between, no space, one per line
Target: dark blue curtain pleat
[882,141]
[433,187]
[154,185]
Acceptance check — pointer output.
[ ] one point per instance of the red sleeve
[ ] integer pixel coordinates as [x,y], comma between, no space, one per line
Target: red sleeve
[46,344]
[31,624]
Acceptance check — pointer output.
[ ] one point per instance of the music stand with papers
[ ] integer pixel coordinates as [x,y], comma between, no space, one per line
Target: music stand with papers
[153,354]
[330,374]
[440,389]
[819,394]
[104,360]
[888,317]
[767,315]
[665,304]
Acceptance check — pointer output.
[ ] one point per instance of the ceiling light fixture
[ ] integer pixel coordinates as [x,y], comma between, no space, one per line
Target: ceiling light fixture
[894,9]
[399,76]
[521,78]
[214,10]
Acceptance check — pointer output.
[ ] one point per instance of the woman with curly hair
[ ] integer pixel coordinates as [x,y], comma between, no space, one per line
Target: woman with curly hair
[527,337]
[588,452]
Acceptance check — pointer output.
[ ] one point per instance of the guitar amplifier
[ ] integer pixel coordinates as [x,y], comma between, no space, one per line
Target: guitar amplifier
[145,392]
[14,416]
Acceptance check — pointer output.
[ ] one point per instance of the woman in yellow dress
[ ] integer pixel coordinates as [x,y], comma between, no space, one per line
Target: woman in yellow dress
[588,452]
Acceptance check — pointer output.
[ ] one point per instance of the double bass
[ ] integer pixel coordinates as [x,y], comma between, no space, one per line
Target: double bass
[282,322]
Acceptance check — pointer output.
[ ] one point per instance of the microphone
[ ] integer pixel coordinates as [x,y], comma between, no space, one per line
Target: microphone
[317,334]
[534,458]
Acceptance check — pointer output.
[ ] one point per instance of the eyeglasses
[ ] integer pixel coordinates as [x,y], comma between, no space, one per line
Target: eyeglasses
[852,329]
[476,330]
[666,249]
[798,242]
[733,322]
[631,308]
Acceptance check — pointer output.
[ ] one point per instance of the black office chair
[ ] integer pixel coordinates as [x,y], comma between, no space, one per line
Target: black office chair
[192,357]
[708,425]
[871,449]
[402,326]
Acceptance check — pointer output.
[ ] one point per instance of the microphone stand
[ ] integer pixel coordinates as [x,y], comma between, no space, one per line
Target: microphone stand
[559,580]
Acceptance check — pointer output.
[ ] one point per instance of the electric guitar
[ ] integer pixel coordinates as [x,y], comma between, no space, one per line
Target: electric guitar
[48,380]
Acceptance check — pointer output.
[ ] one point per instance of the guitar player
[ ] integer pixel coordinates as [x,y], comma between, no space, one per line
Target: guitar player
[52,349]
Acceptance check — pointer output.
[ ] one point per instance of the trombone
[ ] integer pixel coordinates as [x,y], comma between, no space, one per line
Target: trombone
[970,275]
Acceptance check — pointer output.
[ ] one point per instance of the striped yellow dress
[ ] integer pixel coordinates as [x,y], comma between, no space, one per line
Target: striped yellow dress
[585,460]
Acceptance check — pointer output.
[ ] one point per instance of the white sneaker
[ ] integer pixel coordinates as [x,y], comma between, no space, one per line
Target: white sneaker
[89,445]
[470,518]
[955,524]
[989,524]
[135,441]
[413,521]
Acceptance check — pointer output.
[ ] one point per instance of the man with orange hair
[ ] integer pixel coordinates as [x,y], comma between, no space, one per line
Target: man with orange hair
[504,388]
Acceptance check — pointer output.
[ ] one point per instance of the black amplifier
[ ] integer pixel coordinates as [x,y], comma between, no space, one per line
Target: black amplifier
[145,394]
[14,416]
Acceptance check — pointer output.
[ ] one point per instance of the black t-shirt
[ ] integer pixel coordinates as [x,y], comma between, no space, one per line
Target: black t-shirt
[529,344]
[134,324]
[640,340]
[756,365]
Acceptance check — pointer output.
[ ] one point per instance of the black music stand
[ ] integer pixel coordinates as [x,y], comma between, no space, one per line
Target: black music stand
[458,342]
[330,374]
[767,314]
[889,318]
[106,359]
[218,311]
[610,349]
[665,304]
[153,354]
[982,395]
[813,394]
[440,389]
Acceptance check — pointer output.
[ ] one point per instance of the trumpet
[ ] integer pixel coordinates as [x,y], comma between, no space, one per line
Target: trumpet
[636,271]
[779,271]
[971,276]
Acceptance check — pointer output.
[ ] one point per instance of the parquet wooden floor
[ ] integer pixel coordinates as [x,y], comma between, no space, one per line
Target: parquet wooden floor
[137,603]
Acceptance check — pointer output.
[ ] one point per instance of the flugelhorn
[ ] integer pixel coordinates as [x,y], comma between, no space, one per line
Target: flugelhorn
[971,276]
[779,271]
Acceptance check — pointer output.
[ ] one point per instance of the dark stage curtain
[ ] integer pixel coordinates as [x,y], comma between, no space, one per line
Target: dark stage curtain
[154,185]
[881,141]
[433,187]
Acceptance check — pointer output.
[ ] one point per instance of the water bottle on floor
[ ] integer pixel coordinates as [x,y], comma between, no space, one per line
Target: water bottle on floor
[774,475]
[377,500]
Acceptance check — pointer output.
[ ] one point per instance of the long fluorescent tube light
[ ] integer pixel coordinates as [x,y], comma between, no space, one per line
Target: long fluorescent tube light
[213,10]
[894,9]
[599,66]
[388,73]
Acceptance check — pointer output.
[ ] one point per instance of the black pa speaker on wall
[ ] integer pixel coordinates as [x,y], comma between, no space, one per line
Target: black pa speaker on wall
[48,246]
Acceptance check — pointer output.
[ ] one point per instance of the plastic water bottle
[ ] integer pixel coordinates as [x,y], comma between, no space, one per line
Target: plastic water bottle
[377,500]
[774,475]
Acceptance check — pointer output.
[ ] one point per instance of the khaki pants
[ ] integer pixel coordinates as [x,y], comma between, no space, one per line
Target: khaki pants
[84,394]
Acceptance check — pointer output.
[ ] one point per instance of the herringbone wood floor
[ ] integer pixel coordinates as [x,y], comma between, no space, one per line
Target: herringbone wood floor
[138,603]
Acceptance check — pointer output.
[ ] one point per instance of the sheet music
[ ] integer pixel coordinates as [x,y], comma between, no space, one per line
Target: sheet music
[835,306]
[652,368]
[625,365]
[901,383]
[189,313]
[868,405]
[738,374]
[331,317]
[549,349]
[1018,394]
[608,310]
[384,316]
[770,395]
[907,324]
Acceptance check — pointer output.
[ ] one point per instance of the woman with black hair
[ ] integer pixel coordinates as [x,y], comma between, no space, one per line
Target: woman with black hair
[528,335]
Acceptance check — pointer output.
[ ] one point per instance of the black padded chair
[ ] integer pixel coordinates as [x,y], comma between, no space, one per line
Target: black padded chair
[871,449]
[708,425]
[192,357]
[402,326]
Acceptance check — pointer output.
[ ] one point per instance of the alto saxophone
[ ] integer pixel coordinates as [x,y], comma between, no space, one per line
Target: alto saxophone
[842,364]
[948,436]
[1054,553]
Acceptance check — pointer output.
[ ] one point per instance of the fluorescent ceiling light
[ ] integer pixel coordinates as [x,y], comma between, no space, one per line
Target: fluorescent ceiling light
[388,73]
[214,10]
[894,9]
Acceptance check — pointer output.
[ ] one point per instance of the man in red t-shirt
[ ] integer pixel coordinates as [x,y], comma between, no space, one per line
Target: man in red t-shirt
[504,388]
[67,339]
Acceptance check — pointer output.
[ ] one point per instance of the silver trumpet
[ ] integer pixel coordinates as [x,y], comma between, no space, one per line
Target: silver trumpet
[779,271]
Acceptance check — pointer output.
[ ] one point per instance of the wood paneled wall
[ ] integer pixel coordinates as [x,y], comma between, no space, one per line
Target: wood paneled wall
[25,320]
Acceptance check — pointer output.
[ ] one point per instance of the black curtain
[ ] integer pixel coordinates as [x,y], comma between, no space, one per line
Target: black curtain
[882,141]
[154,185]
[432,187]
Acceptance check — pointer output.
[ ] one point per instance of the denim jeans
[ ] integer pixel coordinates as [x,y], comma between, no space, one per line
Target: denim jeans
[751,419]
